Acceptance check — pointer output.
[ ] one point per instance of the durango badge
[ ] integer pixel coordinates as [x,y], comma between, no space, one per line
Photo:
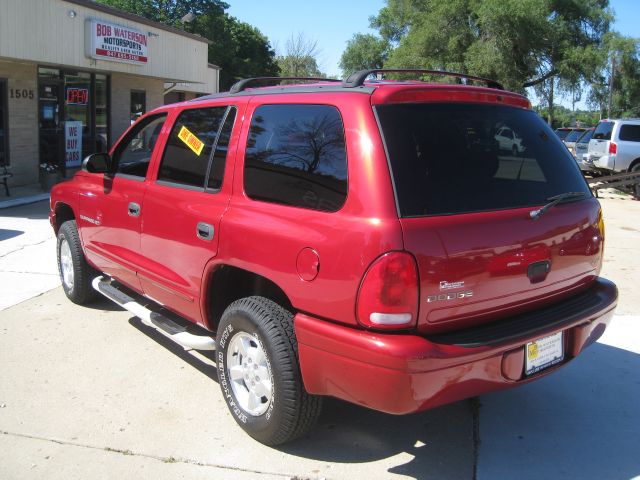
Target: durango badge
[449,296]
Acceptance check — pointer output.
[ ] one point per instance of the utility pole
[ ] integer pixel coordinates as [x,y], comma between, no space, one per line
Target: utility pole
[613,72]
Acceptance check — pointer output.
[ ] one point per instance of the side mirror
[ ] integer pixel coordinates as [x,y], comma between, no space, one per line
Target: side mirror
[97,163]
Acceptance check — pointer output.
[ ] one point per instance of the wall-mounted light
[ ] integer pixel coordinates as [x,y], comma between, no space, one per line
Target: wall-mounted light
[72,14]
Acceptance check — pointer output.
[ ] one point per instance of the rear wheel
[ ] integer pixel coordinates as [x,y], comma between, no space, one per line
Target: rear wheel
[635,188]
[259,372]
[75,273]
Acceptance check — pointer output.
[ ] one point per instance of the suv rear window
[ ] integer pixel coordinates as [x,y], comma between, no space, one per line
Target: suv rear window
[630,133]
[448,158]
[603,131]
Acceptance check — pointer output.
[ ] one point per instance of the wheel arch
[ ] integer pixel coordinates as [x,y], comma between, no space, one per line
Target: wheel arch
[224,283]
[63,213]
[633,164]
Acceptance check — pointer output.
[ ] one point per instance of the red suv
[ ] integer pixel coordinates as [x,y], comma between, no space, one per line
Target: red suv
[366,240]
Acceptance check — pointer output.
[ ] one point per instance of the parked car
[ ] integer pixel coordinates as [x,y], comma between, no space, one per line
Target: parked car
[580,150]
[562,132]
[615,145]
[509,141]
[571,139]
[360,240]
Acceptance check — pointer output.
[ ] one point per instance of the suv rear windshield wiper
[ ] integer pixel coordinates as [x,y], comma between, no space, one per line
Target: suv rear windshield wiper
[556,199]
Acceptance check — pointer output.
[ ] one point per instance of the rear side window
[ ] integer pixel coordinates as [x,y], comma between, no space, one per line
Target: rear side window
[296,156]
[186,156]
[630,133]
[449,158]
[603,131]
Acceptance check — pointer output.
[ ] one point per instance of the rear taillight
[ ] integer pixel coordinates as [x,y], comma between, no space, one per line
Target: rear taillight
[613,148]
[388,295]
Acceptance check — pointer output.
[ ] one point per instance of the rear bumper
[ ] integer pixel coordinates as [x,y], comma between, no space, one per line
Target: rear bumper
[408,373]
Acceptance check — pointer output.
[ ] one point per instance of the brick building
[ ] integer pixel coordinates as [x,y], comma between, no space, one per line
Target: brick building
[74,75]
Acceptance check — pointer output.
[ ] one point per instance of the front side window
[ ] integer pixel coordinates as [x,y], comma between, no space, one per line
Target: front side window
[133,154]
[296,156]
[447,159]
[193,136]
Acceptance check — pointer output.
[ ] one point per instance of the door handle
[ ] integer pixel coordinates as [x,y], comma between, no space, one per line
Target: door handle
[134,209]
[204,231]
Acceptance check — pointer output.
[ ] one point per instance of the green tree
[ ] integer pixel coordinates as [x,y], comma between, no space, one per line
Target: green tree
[169,12]
[364,51]
[239,49]
[623,54]
[521,43]
[300,58]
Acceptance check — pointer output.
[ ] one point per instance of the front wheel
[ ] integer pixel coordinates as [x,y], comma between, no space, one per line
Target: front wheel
[75,273]
[259,372]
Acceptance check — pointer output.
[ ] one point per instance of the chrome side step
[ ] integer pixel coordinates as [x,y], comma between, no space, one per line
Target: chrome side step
[164,325]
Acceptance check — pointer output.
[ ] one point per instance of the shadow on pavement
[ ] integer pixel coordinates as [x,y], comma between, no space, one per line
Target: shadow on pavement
[581,422]
[435,444]
[7,234]
[431,445]
[33,211]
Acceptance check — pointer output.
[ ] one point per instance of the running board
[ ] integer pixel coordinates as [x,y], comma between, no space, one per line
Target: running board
[164,325]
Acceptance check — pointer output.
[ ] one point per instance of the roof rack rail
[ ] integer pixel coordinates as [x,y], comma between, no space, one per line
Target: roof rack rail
[357,79]
[241,85]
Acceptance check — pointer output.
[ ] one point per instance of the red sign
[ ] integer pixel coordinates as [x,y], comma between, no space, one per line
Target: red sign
[77,96]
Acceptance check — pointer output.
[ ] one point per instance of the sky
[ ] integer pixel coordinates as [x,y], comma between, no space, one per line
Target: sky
[332,22]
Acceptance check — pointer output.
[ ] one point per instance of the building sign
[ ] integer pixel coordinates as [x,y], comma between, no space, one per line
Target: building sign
[73,144]
[77,96]
[107,41]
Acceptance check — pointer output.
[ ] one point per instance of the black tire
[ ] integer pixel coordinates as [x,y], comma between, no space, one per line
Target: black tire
[635,188]
[79,290]
[290,410]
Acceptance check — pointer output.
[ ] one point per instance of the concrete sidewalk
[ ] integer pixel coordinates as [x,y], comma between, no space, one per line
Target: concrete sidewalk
[27,253]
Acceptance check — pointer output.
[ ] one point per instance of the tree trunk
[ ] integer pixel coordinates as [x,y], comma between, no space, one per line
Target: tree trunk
[550,99]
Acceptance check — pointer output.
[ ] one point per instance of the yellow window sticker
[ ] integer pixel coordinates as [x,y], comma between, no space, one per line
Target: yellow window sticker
[190,140]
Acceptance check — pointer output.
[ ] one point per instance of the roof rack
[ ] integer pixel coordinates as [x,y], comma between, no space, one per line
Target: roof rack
[357,79]
[243,84]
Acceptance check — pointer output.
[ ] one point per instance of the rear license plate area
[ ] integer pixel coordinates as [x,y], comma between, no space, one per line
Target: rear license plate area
[543,353]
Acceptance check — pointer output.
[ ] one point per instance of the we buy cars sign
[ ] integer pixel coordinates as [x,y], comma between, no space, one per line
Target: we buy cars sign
[108,41]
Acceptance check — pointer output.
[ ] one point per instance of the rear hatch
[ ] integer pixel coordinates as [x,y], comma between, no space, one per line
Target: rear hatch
[465,208]
[599,143]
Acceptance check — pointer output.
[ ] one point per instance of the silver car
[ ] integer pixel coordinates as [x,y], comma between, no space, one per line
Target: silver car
[615,145]
[580,150]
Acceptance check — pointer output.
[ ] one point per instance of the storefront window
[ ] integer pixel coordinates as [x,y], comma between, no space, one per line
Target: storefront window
[4,157]
[138,104]
[102,129]
[73,116]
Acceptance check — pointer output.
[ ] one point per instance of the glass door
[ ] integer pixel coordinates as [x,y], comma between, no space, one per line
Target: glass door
[4,136]
[51,124]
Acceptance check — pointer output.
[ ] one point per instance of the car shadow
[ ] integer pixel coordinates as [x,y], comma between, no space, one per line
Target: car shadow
[7,234]
[436,444]
[429,445]
[581,422]
[32,211]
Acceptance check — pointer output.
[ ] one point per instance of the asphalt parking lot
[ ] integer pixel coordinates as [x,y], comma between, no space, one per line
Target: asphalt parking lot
[93,393]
